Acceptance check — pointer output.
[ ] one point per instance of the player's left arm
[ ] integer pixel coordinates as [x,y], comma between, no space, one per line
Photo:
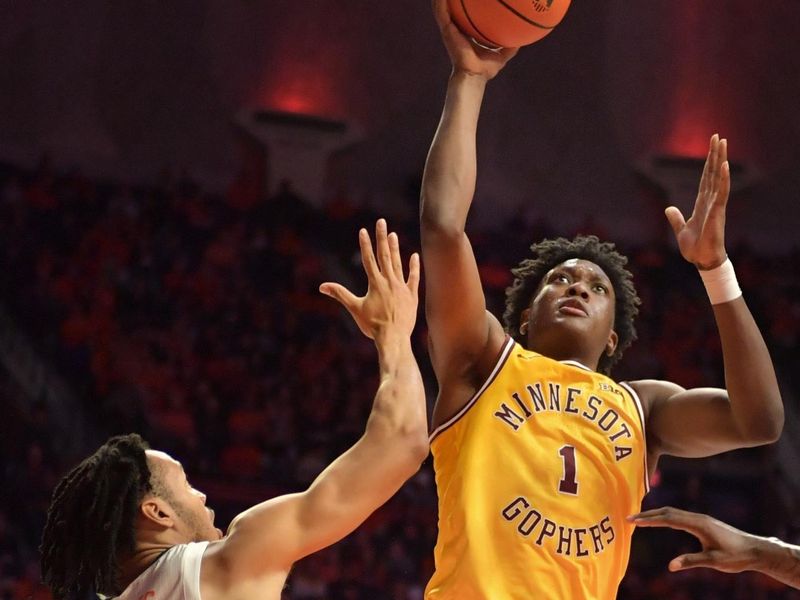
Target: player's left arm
[749,412]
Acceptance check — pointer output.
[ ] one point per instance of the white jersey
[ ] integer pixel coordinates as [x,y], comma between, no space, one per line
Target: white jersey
[174,576]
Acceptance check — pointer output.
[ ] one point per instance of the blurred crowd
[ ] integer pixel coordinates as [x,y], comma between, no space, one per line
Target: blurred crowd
[195,320]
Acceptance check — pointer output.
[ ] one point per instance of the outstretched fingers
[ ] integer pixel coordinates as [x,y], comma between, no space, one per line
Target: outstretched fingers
[382,248]
[367,255]
[718,197]
[717,172]
[675,218]
[692,561]
[723,181]
[708,167]
[708,179]
[394,250]
[341,294]
[413,274]
[674,518]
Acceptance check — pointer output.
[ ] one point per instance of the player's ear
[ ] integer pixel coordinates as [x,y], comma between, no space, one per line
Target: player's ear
[611,343]
[523,321]
[156,511]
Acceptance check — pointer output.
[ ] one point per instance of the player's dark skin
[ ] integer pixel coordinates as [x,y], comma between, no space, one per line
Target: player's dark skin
[572,313]
[466,340]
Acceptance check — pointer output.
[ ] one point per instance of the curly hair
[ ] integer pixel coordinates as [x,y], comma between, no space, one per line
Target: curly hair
[549,253]
[91,517]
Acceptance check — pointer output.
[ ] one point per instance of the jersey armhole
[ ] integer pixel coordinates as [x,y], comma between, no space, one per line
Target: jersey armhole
[640,411]
[505,351]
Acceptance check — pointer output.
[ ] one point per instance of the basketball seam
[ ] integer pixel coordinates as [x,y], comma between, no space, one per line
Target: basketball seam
[520,15]
[475,27]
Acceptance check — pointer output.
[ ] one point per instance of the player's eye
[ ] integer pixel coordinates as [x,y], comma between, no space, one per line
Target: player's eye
[559,277]
[599,288]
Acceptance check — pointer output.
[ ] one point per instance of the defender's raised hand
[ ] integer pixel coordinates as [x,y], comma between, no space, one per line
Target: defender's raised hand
[725,548]
[701,239]
[466,56]
[390,304]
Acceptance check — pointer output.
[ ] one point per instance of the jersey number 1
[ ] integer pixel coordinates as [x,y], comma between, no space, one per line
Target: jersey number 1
[568,483]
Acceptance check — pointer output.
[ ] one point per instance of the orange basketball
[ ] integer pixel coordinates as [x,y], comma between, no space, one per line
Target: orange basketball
[507,23]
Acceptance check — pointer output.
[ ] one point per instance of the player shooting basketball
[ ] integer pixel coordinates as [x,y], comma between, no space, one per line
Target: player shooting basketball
[539,455]
[127,521]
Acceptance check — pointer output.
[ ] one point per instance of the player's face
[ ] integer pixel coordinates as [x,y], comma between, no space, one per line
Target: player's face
[193,518]
[572,312]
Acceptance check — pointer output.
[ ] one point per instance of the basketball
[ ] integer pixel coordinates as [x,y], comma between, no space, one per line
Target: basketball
[507,23]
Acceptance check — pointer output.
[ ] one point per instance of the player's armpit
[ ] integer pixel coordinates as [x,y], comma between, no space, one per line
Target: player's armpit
[690,423]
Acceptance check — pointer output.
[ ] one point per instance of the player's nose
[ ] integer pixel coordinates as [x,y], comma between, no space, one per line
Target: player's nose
[578,289]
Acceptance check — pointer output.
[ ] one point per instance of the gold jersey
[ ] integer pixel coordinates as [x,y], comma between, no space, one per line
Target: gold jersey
[535,477]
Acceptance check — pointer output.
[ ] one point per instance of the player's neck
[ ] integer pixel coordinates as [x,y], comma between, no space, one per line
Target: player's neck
[131,565]
[587,359]
[589,363]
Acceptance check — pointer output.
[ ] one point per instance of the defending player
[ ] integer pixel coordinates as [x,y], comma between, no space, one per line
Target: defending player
[127,521]
[539,455]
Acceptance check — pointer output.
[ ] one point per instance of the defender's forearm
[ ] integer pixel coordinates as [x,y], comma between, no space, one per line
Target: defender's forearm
[399,412]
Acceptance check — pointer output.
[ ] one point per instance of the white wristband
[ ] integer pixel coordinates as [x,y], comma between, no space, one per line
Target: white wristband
[721,284]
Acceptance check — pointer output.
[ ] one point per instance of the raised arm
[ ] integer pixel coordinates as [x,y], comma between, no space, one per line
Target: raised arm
[701,422]
[269,537]
[461,331]
[725,548]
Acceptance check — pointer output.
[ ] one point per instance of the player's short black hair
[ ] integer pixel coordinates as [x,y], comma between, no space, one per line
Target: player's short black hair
[549,253]
[92,516]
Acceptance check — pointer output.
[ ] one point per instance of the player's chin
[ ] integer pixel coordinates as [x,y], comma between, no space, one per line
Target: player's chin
[212,534]
[577,325]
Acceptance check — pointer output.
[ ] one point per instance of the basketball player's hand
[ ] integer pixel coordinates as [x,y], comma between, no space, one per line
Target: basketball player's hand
[725,548]
[466,56]
[389,307]
[701,239]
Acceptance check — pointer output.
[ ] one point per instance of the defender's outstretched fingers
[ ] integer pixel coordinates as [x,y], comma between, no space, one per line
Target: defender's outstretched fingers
[667,516]
[692,561]
[397,261]
[367,256]
[341,294]
[413,274]
[382,248]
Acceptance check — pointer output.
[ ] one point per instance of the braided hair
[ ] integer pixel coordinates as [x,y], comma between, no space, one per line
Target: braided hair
[91,518]
[549,253]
